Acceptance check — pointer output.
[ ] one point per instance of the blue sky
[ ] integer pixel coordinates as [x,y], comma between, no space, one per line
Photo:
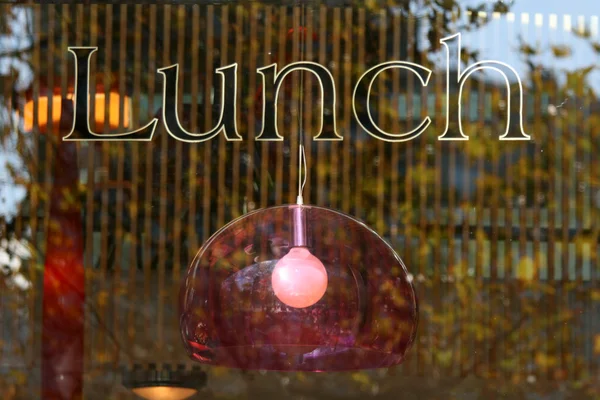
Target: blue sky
[544,24]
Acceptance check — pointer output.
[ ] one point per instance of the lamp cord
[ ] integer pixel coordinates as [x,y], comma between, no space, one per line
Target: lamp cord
[301,182]
[301,153]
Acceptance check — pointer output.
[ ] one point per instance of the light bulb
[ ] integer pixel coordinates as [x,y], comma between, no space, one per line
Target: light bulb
[299,279]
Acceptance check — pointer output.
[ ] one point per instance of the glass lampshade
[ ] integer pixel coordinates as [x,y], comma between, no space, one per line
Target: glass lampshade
[361,310]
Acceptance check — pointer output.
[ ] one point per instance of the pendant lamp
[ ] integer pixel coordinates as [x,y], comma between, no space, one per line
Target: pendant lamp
[164,383]
[297,288]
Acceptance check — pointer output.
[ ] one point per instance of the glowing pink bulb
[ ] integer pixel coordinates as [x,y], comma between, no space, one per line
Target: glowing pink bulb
[299,279]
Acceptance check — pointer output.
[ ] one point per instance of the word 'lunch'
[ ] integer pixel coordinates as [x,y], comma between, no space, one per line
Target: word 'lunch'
[272,80]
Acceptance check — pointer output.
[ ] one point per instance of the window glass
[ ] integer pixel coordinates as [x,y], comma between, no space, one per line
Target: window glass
[465,133]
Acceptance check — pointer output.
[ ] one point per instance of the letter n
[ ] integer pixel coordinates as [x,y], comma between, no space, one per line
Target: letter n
[272,84]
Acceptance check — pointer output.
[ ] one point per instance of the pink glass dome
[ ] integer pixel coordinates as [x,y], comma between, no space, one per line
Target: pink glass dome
[231,315]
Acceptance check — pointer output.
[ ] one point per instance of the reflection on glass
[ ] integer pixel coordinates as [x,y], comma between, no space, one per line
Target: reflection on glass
[164,393]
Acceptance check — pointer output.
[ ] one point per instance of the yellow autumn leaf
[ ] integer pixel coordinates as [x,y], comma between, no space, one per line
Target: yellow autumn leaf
[462,293]
[19,377]
[444,357]
[597,344]
[102,298]
[526,269]
[545,361]
[219,371]
[102,357]
[361,377]
[508,364]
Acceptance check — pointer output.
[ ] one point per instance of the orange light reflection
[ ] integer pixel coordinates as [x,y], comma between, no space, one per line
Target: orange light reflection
[43,112]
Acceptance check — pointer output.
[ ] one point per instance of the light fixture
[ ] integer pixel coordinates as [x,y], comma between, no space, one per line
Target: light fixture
[297,288]
[299,279]
[43,111]
[164,384]
[238,309]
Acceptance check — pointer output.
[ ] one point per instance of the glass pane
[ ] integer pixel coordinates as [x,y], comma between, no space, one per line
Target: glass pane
[465,134]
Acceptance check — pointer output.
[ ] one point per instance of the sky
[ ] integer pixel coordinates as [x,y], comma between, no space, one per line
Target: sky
[11,193]
[542,23]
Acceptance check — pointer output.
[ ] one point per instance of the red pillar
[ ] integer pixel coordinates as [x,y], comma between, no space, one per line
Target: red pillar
[64,283]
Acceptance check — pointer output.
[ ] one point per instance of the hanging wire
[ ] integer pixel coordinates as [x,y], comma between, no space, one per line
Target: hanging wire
[301,153]
[301,182]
